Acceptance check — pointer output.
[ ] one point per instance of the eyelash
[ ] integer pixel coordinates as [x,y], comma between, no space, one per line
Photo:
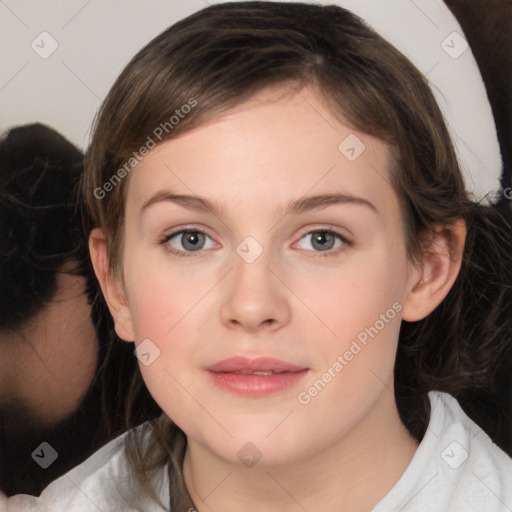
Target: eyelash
[190,254]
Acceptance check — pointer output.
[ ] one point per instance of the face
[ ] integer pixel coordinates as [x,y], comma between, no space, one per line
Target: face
[268,269]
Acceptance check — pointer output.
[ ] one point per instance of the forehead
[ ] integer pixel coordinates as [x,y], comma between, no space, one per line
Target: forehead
[278,146]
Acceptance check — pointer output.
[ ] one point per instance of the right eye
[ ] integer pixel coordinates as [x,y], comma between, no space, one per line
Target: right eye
[186,241]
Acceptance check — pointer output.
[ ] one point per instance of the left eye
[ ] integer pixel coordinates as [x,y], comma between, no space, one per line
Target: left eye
[324,240]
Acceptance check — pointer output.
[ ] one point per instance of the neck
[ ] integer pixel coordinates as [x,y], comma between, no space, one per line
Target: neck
[354,473]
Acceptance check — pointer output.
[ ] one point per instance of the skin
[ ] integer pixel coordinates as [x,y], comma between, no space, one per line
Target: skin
[46,369]
[346,448]
[49,364]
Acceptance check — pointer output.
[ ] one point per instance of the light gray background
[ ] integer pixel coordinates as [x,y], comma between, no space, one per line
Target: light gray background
[97,38]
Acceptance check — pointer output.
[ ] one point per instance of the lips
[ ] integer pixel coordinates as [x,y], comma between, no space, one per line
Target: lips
[258,377]
[258,366]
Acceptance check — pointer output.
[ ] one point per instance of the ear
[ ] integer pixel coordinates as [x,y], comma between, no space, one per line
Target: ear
[111,285]
[431,281]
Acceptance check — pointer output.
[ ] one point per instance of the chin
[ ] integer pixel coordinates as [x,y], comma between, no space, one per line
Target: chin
[255,448]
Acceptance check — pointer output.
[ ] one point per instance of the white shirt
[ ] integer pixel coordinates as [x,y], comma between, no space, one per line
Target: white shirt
[456,468]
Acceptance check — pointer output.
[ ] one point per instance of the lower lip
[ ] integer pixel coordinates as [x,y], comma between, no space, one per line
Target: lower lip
[257,385]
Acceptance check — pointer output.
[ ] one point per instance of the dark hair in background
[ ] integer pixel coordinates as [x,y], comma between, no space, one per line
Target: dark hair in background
[223,55]
[38,230]
[486,26]
[40,236]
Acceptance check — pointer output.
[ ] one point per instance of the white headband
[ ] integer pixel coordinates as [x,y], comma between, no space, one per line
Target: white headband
[428,34]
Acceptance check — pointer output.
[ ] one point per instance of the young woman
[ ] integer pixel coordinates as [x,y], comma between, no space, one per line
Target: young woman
[278,221]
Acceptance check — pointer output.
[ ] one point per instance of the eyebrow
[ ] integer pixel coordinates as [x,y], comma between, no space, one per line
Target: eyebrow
[297,206]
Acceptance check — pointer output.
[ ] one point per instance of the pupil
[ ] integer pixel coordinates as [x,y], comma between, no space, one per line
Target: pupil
[192,240]
[323,239]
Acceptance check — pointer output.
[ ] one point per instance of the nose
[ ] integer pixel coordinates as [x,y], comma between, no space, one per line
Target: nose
[254,298]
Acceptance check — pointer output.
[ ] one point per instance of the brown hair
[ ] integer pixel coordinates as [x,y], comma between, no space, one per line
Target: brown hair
[221,56]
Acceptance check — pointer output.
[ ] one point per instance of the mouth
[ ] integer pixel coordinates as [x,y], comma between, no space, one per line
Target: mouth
[255,377]
[258,366]
[255,373]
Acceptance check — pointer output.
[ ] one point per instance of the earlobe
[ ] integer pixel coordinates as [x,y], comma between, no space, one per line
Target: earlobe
[111,285]
[439,269]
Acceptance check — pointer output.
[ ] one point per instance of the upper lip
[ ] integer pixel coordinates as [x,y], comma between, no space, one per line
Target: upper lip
[259,364]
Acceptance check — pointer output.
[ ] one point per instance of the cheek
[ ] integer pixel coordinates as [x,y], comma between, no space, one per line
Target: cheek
[357,360]
[166,308]
[161,295]
[353,296]
[360,309]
